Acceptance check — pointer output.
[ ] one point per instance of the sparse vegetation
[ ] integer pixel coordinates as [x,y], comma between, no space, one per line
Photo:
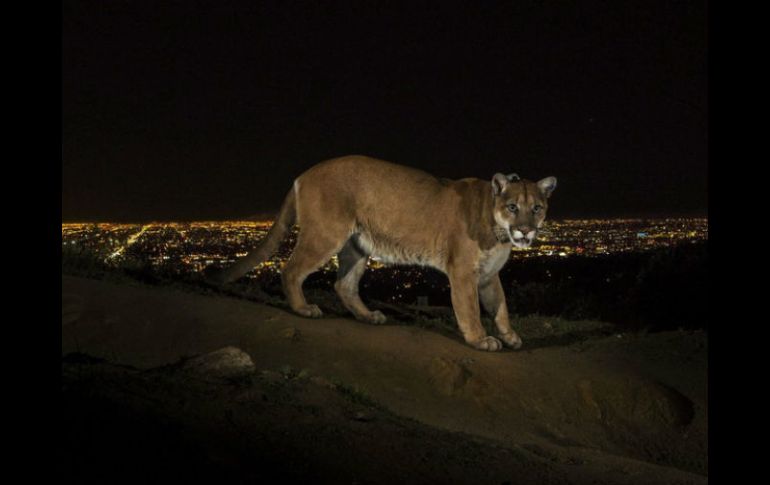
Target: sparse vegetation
[356,395]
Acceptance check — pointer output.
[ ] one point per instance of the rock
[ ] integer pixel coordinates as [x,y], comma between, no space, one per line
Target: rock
[225,362]
[292,334]
[363,417]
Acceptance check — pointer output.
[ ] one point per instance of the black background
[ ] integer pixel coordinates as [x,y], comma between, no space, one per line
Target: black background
[207,110]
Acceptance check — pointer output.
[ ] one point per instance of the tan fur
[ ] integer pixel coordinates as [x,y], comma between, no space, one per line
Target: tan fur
[357,207]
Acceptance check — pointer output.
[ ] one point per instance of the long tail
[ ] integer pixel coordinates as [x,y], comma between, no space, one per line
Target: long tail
[286,218]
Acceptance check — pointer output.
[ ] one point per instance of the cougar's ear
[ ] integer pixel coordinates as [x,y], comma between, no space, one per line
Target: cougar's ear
[499,183]
[547,186]
[513,177]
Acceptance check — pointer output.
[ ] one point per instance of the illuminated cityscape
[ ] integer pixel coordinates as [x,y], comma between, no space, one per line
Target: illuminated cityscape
[189,247]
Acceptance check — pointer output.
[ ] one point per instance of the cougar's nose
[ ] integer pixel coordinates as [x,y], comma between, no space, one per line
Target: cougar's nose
[528,232]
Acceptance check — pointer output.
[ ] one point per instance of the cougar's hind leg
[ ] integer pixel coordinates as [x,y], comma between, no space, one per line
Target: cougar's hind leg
[352,264]
[315,246]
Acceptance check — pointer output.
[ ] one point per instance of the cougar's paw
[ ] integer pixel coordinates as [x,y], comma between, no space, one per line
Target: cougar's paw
[512,340]
[310,311]
[490,344]
[376,317]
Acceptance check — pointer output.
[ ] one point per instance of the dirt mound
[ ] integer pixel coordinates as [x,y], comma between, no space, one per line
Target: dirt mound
[590,397]
[640,403]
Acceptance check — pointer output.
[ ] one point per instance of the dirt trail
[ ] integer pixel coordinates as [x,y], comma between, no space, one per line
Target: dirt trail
[633,403]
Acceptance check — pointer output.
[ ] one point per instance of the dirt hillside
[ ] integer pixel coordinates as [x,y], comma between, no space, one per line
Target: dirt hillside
[573,406]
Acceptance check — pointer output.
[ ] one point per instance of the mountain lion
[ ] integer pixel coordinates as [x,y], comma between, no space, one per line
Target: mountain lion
[356,207]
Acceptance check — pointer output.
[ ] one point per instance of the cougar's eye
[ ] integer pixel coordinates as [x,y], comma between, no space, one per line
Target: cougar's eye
[537,209]
[513,208]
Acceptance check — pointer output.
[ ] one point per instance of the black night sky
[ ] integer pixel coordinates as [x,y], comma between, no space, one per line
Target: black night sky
[209,110]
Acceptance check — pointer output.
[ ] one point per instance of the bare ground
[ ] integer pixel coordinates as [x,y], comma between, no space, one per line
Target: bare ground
[340,401]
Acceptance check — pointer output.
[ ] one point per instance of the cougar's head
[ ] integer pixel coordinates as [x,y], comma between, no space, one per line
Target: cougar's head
[520,206]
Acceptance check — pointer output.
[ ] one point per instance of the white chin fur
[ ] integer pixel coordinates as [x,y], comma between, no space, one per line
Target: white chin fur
[522,244]
[519,240]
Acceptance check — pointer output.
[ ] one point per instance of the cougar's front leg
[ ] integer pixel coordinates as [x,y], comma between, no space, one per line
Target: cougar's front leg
[493,299]
[465,301]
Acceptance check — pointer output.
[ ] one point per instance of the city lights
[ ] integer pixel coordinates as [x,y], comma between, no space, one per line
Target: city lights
[190,247]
